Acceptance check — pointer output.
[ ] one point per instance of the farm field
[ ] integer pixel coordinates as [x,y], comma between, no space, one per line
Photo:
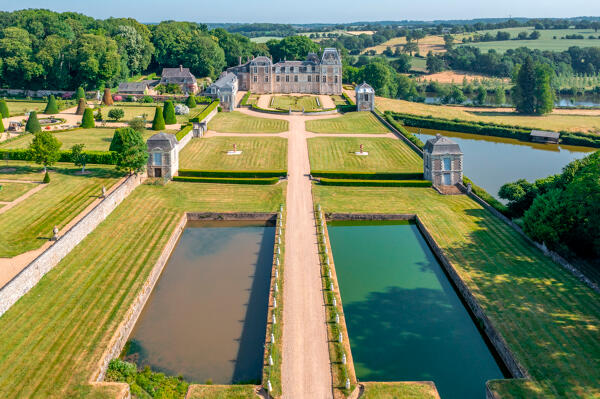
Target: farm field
[11,191]
[295,103]
[237,122]
[351,122]
[264,39]
[554,122]
[385,155]
[549,319]
[29,224]
[53,337]
[20,107]
[95,139]
[429,43]
[258,153]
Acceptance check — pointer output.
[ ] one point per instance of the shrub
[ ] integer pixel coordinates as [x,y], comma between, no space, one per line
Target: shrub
[87,121]
[147,99]
[158,123]
[190,102]
[81,106]
[181,109]
[203,100]
[33,125]
[245,98]
[116,114]
[366,175]
[1,124]
[347,98]
[169,113]
[51,107]
[4,109]
[98,116]
[80,93]
[66,96]
[118,98]
[93,157]
[107,98]
[234,174]
[46,179]
[375,183]
[130,99]
[138,124]
[484,195]
[228,180]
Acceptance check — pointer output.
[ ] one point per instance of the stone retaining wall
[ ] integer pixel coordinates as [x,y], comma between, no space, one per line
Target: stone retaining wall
[32,273]
[412,145]
[324,112]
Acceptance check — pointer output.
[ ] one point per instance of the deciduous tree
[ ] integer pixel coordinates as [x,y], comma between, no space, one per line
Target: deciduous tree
[44,149]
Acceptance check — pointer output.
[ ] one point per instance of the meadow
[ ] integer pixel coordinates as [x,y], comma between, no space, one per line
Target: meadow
[237,122]
[54,336]
[351,122]
[385,155]
[258,153]
[29,224]
[549,319]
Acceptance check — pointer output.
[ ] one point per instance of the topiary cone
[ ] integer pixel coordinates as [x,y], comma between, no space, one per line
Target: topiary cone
[169,113]
[33,124]
[87,121]
[1,125]
[81,107]
[51,107]
[107,98]
[158,123]
[4,109]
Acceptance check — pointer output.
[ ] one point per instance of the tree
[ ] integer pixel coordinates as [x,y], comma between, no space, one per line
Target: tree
[435,63]
[190,102]
[524,89]
[481,95]
[411,47]
[78,157]
[448,41]
[33,125]
[79,94]
[499,96]
[81,106]
[292,48]
[402,63]
[4,109]
[169,113]
[134,46]
[51,107]
[132,153]
[1,125]
[158,123]
[116,114]
[19,66]
[98,116]
[138,124]
[544,95]
[107,98]
[87,122]
[520,195]
[94,60]
[44,149]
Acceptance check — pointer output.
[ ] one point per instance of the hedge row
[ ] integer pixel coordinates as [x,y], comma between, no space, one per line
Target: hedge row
[204,113]
[248,174]
[93,157]
[346,108]
[347,98]
[411,137]
[375,183]
[366,175]
[228,180]
[320,110]
[484,195]
[183,132]
[245,98]
[269,111]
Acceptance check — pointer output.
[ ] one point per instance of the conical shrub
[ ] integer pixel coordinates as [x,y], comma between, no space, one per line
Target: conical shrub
[107,98]
[158,123]
[80,93]
[1,125]
[169,113]
[81,107]
[87,121]
[4,109]
[191,102]
[46,178]
[51,107]
[33,125]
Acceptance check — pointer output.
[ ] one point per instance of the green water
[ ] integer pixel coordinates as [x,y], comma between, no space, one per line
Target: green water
[404,319]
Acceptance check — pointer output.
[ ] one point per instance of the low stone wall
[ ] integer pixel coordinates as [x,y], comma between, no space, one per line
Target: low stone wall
[399,135]
[32,273]
[267,216]
[369,216]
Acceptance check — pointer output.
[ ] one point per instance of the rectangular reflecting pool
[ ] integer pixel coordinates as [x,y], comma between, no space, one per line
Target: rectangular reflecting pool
[405,320]
[206,317]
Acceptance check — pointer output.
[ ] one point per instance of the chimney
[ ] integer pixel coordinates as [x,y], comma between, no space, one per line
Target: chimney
[180,68]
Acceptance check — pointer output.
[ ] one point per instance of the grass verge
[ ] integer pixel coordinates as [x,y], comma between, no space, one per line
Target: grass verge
[351,122]
[237,122]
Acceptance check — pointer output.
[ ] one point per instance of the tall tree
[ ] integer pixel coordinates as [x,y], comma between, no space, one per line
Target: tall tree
[292,48]
[51,107]
[524,89]
[78,157]
[132,153]
[158,123]
[44,149]
[544,95]
[94,60]
[18,67]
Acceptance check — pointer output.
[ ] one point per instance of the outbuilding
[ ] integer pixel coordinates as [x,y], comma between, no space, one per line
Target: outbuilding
[442,161]
[543,136]
[365,97]
[163,159]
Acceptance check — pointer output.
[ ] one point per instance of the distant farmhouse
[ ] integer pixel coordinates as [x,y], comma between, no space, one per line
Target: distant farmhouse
[145,87]
[313,75]
[181,76]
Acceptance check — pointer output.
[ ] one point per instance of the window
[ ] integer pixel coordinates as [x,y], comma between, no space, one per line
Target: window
[317,77]
[309,78]
[157,159]
[287,69]
[366,97]
[335,79]
[324,79]
[447,164]
[255,79]
[308,68]
[277,78]
[255,69]
[287,78]
[267,78]
[277,70]
[295,78]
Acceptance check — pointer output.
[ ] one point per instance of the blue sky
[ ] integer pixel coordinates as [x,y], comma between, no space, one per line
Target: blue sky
[307,11]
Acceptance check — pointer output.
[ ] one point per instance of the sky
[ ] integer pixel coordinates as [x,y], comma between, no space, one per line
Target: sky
[310,11]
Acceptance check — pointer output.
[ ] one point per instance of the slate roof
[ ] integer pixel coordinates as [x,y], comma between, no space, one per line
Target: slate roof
[440,145]
[544,133]
[177,73]
[364,88]
[136,86]
[163,141]
[226,80]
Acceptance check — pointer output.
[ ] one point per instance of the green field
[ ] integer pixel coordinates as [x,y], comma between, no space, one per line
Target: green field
[53,337]
[295,103]
[546,42]
[221,392]
[351,122]
[549,319]
[237,122]
[393,390]
[95,139]
[264,39]
[385,155]
[11,191]
[20,107]
[29,224]
[260,153]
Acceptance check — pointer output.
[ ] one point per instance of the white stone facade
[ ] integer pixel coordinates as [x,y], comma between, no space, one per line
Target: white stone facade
[365,98]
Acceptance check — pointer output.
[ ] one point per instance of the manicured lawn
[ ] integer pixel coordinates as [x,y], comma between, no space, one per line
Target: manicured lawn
[351,122]
[258,153]
[96,139]
[11,191]
[237,122]
[53,337]
[20,107]
[385,155]
[550,320]
[296,103]
[29,224]
[130,112]
[338,100]
[222,392]
[394,390]
[554,122]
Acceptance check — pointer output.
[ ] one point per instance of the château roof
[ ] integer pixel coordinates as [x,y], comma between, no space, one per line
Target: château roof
[162,141]
[180,72]
[364,88]
[440,145]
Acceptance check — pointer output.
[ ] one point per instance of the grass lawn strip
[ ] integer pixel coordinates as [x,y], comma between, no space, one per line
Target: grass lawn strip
[549,319]
[385,155]
[11,191]
[21,107]
[222,392]
[237,122]
[295,103]
[393,390]
[351,122]
[258,153]
[28,224]
[62,326]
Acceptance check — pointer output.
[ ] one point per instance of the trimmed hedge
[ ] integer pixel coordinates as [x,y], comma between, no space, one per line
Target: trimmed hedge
[316,111]
[347,98]
[366,175]
[183,132]
[411,137]
[375,183]
[93,157]
[227,180]
[346,108]
[484,195]
[244,101]
[204,113]
[235,174]
[270,111]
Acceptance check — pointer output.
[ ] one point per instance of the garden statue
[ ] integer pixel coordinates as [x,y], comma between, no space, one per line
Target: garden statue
[469,188]
[103,192]
[55,233]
